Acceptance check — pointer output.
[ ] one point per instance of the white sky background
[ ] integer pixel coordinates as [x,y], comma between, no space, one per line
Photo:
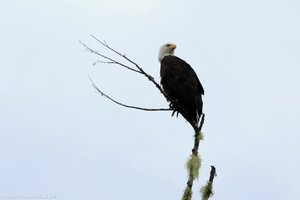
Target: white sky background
[58,137]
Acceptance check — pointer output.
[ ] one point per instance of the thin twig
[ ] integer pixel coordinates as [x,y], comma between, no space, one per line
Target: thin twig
[140,70]
[108,58]
[103,62]
[115,51]
[125,105]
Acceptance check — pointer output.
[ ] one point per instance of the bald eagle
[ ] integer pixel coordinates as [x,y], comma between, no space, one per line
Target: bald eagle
[180,82]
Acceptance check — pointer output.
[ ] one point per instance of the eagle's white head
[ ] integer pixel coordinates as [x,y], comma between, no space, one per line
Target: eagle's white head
[166,50]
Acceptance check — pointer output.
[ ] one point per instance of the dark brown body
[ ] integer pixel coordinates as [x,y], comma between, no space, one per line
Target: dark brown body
[181,83]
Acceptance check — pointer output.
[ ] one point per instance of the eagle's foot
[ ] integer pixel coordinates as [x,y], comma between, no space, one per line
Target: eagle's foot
[173,107]
[175,112]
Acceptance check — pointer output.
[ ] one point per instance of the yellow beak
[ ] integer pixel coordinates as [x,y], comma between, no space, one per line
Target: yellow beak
[172,46]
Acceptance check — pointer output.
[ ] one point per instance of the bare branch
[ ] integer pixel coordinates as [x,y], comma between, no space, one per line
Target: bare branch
[140,70]
[125,105]
[207,190]
[115,51]
[108,58]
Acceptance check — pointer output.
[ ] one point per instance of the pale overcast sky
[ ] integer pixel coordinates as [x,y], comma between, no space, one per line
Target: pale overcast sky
[60,138]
